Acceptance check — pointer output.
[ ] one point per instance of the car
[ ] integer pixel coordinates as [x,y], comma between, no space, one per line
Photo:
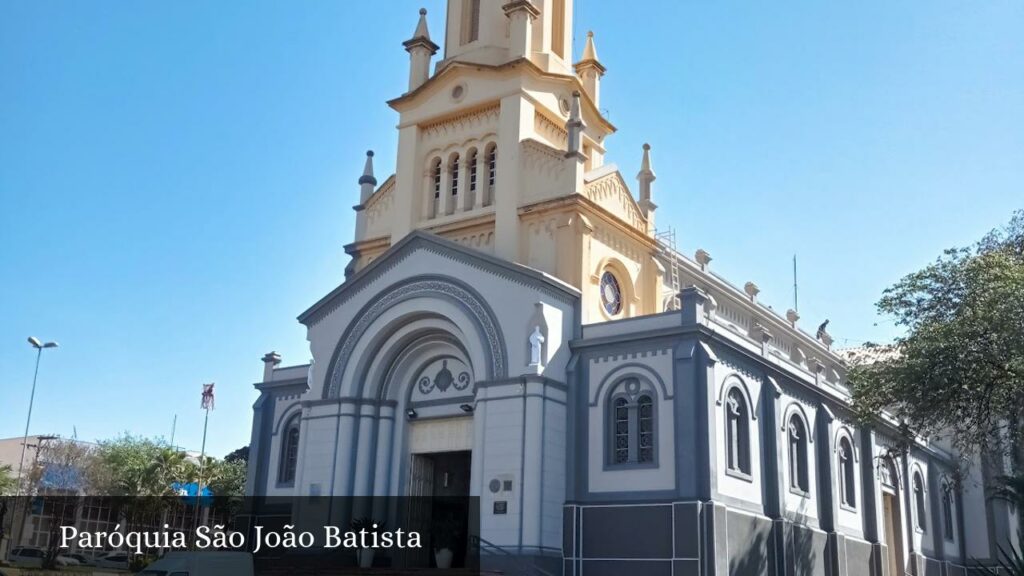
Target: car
[82,559]
[67,560]
[116,561]
[201,564]
[27,557]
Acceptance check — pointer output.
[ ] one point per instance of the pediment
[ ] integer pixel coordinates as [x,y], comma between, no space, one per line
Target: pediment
[448,258]
[608,190]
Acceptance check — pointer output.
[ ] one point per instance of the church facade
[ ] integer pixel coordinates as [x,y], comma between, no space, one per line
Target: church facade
[512,323]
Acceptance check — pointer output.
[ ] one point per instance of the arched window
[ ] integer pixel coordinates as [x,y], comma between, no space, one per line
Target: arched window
[632,420]
[453,190]
[847,482]
[435,179]
[737,433]
[470,21]
[471,159]
[289,452]
[947,511]
[919,510]
[799,478]
[492,172]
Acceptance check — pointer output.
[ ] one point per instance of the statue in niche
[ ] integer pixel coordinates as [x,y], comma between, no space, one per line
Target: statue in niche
[536,348]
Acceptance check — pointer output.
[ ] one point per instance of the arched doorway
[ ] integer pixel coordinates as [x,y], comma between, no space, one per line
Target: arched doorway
[892,520]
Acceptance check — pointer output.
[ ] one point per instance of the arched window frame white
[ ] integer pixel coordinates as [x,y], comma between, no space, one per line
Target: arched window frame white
[491,160]
[472,156]
[632,424]
[920,502]
[289,451]
[798,438]
[454,166]
[434,183]
[846,464]
[737,433]
[948,512]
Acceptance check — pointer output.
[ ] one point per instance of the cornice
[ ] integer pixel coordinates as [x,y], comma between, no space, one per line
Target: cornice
[454,66]
[419,240]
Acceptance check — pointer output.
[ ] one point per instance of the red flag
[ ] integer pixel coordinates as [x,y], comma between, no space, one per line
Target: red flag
[207,397]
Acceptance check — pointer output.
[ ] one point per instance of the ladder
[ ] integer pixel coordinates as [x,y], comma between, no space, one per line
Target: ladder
[667,243]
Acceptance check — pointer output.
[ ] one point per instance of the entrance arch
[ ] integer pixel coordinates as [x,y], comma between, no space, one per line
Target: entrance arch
[466,308]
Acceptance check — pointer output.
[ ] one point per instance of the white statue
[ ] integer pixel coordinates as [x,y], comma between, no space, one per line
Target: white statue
[536,345]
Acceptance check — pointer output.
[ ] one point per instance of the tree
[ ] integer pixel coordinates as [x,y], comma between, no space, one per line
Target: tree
[59,477]
[226,478]
[959,368]
[8,483]
[135,466]
[241,454]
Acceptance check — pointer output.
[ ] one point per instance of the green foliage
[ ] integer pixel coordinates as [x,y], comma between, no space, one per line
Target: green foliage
[242,454]
[960,366]
[8,483]
[226,478]
[135,466]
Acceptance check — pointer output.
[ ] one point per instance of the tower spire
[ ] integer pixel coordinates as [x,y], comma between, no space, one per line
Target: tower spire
[645,178]
[589,51]
[590,70]
[421,26]
[367,181]
[420,49]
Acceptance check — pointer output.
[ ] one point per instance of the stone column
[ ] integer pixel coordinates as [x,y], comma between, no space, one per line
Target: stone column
[429,205]
[385,453]
[533,465]
[516,118]
[366,453]
[406,211]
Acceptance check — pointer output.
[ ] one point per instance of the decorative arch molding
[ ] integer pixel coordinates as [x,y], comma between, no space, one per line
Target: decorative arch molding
[286,415]
[888,460]
[845,432]
[735,381]
[915,471]
[611,262]
[636,370]
[795,408]
[409,358]
[425,286]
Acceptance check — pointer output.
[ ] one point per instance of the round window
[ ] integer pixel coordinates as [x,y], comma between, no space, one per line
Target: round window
[611,294]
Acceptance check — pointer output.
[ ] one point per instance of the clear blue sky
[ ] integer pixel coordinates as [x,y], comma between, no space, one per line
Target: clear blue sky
[177,177]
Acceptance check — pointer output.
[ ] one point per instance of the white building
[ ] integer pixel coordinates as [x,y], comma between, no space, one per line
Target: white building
[511,320]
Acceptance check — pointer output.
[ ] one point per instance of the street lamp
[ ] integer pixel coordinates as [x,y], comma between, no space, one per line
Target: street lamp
[39,346]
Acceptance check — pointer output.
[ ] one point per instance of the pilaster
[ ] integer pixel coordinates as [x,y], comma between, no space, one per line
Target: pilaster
[516,119]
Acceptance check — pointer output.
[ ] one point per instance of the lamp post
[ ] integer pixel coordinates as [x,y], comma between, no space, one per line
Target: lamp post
[39,346]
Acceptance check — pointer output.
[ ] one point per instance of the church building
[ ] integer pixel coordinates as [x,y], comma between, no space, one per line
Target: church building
[513,327]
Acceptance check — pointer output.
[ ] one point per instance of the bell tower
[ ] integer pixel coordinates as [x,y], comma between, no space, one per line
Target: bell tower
[484,32]
[501,147]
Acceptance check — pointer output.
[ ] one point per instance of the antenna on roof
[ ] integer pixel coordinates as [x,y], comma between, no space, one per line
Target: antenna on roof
[796,301]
